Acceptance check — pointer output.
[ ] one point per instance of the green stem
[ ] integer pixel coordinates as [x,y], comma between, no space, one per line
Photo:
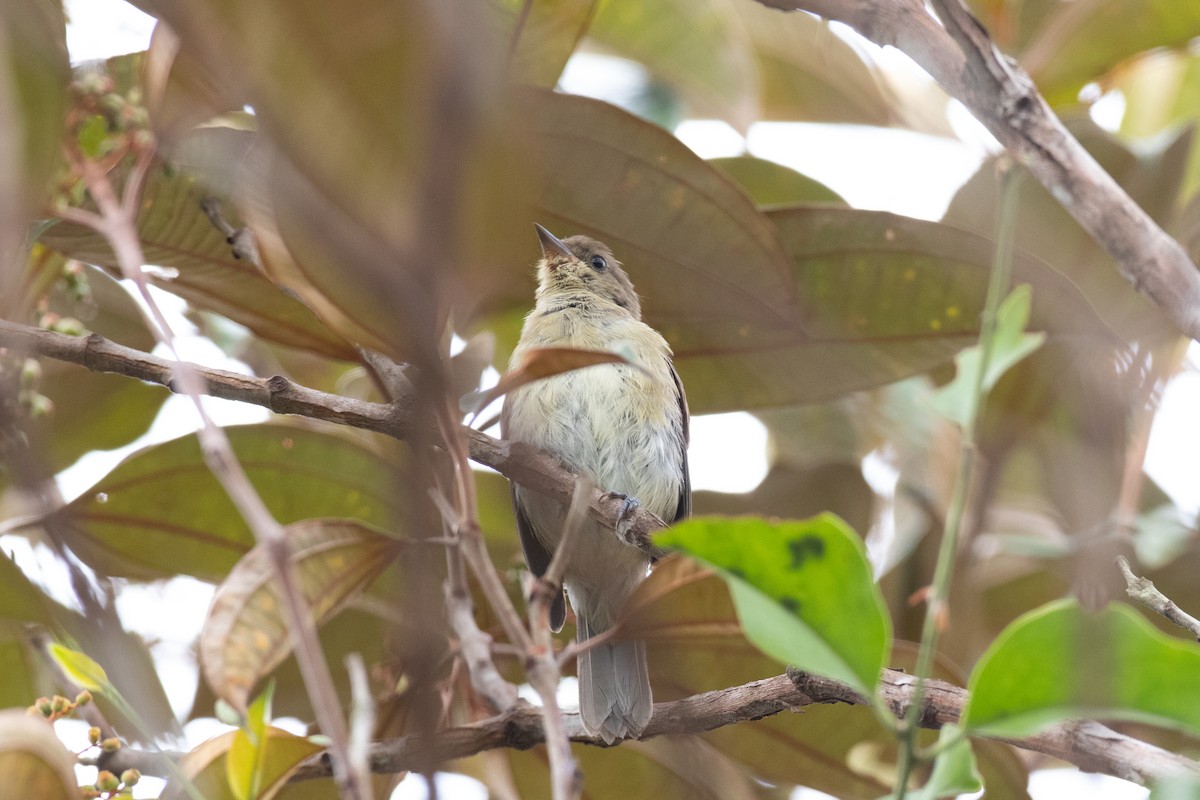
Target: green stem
[943,573]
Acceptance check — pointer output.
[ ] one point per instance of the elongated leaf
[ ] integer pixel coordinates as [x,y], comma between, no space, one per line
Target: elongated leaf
[33,761]
[80,668]
[161,512]
[1061,662]
[246,634]
[885,297]
[706,261]
[795,584]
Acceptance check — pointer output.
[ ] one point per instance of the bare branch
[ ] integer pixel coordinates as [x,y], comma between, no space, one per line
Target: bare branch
[1143,591]
[1003,97]
[527,465]
[1089,745]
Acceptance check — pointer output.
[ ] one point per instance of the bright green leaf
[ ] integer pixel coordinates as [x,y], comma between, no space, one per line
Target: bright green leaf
[803,591]
[954,770]
[82,670]
[205,765]
[1010,344]
[1061,662]
[244,761]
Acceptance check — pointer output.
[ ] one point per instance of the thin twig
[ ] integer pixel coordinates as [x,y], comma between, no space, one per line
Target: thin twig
[118,224]
[939,589]
[1143,591]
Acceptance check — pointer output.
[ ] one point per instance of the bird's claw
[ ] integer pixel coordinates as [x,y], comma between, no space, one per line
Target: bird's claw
[628,504]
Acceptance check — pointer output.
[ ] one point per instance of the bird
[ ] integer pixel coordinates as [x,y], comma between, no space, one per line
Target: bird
[626,426]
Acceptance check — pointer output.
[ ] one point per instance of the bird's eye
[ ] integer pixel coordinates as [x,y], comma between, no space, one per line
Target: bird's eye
[599,264]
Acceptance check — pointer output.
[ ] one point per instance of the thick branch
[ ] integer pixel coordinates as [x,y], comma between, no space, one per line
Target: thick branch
[1089,745]
[1003,97]
[522,463]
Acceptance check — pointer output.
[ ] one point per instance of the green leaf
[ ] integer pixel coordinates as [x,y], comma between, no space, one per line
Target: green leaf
[79,668]
[803,591]
[161,512]
[245,760]
[1010,344]
[954,770]
[246,633]
[1061,662]
[34,763]
[206,765]
[885,297]
[708,264]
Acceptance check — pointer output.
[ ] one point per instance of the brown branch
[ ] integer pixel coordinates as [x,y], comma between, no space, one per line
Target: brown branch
[1143,591]
[1089,745]
[527,465]
[963,59]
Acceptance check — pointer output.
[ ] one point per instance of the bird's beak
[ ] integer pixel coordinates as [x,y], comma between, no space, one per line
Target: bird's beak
[551,244]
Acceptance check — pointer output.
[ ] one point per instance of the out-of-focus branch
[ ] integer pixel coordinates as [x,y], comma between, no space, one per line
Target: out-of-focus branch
[527,465]
[963,59]
[1089,745]
[1144,591]
[117,222]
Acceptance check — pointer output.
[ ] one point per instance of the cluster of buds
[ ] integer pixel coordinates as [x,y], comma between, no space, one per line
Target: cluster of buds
[108,785]
[57,707]
[104,126]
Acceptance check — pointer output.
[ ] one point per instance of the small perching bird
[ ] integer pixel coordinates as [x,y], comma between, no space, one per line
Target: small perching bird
[625,426]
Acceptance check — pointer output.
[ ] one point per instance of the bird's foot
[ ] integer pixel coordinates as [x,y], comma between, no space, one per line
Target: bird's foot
[628,504]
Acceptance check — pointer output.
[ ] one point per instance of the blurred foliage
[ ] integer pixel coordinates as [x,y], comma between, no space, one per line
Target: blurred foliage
[388,160]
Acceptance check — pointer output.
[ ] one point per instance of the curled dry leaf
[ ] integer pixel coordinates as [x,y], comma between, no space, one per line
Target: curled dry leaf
[246,635]
[542,362]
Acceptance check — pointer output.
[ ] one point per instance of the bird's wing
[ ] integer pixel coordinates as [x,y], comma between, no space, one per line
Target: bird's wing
[538,559]
[684,508]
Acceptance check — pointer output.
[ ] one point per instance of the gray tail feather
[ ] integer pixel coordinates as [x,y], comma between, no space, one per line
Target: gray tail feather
[614,687]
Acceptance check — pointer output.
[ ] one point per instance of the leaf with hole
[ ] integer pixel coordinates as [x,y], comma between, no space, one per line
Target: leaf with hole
[797,586]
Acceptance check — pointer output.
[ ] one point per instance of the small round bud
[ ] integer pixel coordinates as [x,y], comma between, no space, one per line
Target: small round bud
[111,745]
[83,698]
[107,782]
[130,777]
[45,706]
[70,326]
[94,735]
[60,704]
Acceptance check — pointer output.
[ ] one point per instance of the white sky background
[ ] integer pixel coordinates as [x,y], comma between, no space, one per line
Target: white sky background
[898,171]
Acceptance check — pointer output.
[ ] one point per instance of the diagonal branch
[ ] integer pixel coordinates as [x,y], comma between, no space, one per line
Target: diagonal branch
[964,60]
[1089,745]
[528,466]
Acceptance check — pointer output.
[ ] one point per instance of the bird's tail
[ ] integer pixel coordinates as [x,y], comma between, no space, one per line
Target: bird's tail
[614,686]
